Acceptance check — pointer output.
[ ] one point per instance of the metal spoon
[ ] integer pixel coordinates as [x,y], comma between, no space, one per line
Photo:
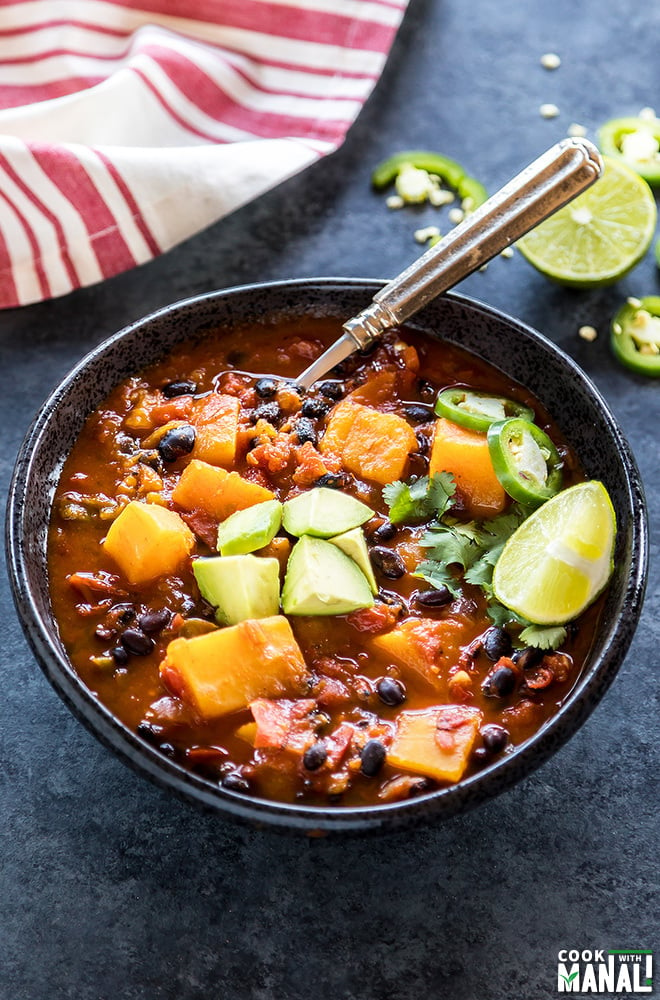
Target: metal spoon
[551,181]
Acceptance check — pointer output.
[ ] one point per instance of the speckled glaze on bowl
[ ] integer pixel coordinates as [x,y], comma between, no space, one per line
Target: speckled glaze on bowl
[554,378]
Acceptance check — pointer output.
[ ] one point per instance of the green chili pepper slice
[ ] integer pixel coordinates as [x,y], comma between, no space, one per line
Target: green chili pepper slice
[635,335]
[448,170]
[478,410]
[636,141]
[525,461]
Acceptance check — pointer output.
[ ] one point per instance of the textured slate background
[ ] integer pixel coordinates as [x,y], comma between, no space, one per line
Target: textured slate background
[110,888]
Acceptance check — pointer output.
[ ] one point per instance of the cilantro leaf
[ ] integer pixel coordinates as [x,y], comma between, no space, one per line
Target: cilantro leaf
[543,637]
[420,499]
[499,615]
[447,546]
[438,576]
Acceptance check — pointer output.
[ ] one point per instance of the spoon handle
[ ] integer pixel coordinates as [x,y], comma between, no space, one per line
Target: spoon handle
[552,180]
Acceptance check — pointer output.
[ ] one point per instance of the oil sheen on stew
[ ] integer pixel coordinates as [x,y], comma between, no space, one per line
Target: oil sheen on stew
[413,688]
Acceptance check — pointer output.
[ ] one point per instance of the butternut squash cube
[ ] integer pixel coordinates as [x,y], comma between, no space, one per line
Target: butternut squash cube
[423,645]
[215,491]
[371,444]
[464,454]
[216,425]
[436,742]
[225,670]
[147,541]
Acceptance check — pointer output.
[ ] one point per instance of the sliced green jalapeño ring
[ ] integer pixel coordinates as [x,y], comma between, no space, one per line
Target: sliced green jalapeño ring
[636,141]
[478,410]
[635,335]
[448,170]
[525,461]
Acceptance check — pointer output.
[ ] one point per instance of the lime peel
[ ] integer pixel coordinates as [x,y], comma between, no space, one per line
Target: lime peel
[600,236]
[560,558]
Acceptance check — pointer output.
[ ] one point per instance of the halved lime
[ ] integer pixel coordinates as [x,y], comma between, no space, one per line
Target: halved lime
[598,237]
[560,559]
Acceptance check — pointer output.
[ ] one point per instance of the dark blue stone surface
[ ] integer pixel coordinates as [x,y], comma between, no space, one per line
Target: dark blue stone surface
[110,888]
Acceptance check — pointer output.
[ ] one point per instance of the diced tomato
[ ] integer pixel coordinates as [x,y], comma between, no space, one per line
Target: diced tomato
[378,618]
[338,743]
[203,525]
[283,723]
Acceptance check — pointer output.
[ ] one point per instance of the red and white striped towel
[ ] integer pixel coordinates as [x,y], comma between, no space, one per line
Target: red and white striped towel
[126,126]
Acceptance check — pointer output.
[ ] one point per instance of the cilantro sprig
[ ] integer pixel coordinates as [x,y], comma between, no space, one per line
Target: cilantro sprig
[459,551]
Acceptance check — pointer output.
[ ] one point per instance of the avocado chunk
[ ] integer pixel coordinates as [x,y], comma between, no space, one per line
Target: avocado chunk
[239,587]
[323,512]
[323,580]
[249,529]
[354,544]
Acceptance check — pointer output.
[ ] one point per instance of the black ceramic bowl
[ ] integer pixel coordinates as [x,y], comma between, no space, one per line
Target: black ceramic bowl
[561,386]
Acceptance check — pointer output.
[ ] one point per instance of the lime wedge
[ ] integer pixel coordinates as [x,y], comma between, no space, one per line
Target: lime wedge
[559,559]
[598,237]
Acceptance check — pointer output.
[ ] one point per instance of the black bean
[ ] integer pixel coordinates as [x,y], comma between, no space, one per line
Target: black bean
[496,643]
[235,782]
[176,443]
[179,387]
[390,691]
[333,390]
[481,754]
[418,413]
[426,390]
[267,411]
[305,431]
[154,621]
[494,737]
[150,733]
[333,480]
[119,655]
[385,532]
[392,600]
[315,757]
[122,613]
[434,598]
[266,387]
[236,357]
[315,408]
[500,683]
[423,443]
[135,641]
[388,562]
[372,758]
[529,657]
[168,749]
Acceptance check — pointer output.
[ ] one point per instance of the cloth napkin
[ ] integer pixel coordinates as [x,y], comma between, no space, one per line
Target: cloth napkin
[126,126]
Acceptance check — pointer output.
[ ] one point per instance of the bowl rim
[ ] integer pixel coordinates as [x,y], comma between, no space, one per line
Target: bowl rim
[440,803]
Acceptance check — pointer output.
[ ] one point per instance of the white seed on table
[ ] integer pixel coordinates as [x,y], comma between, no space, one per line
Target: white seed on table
[588,333]
[548,111]
[550,60]
[576,131]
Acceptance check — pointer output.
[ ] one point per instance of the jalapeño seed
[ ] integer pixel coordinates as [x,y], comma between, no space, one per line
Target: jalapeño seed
[388,562]
[176,443]
[372,758]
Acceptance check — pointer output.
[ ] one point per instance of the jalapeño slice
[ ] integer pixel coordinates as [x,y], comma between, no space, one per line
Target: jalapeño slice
[637,142]
[635,335]
[525,461]
[477,410]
